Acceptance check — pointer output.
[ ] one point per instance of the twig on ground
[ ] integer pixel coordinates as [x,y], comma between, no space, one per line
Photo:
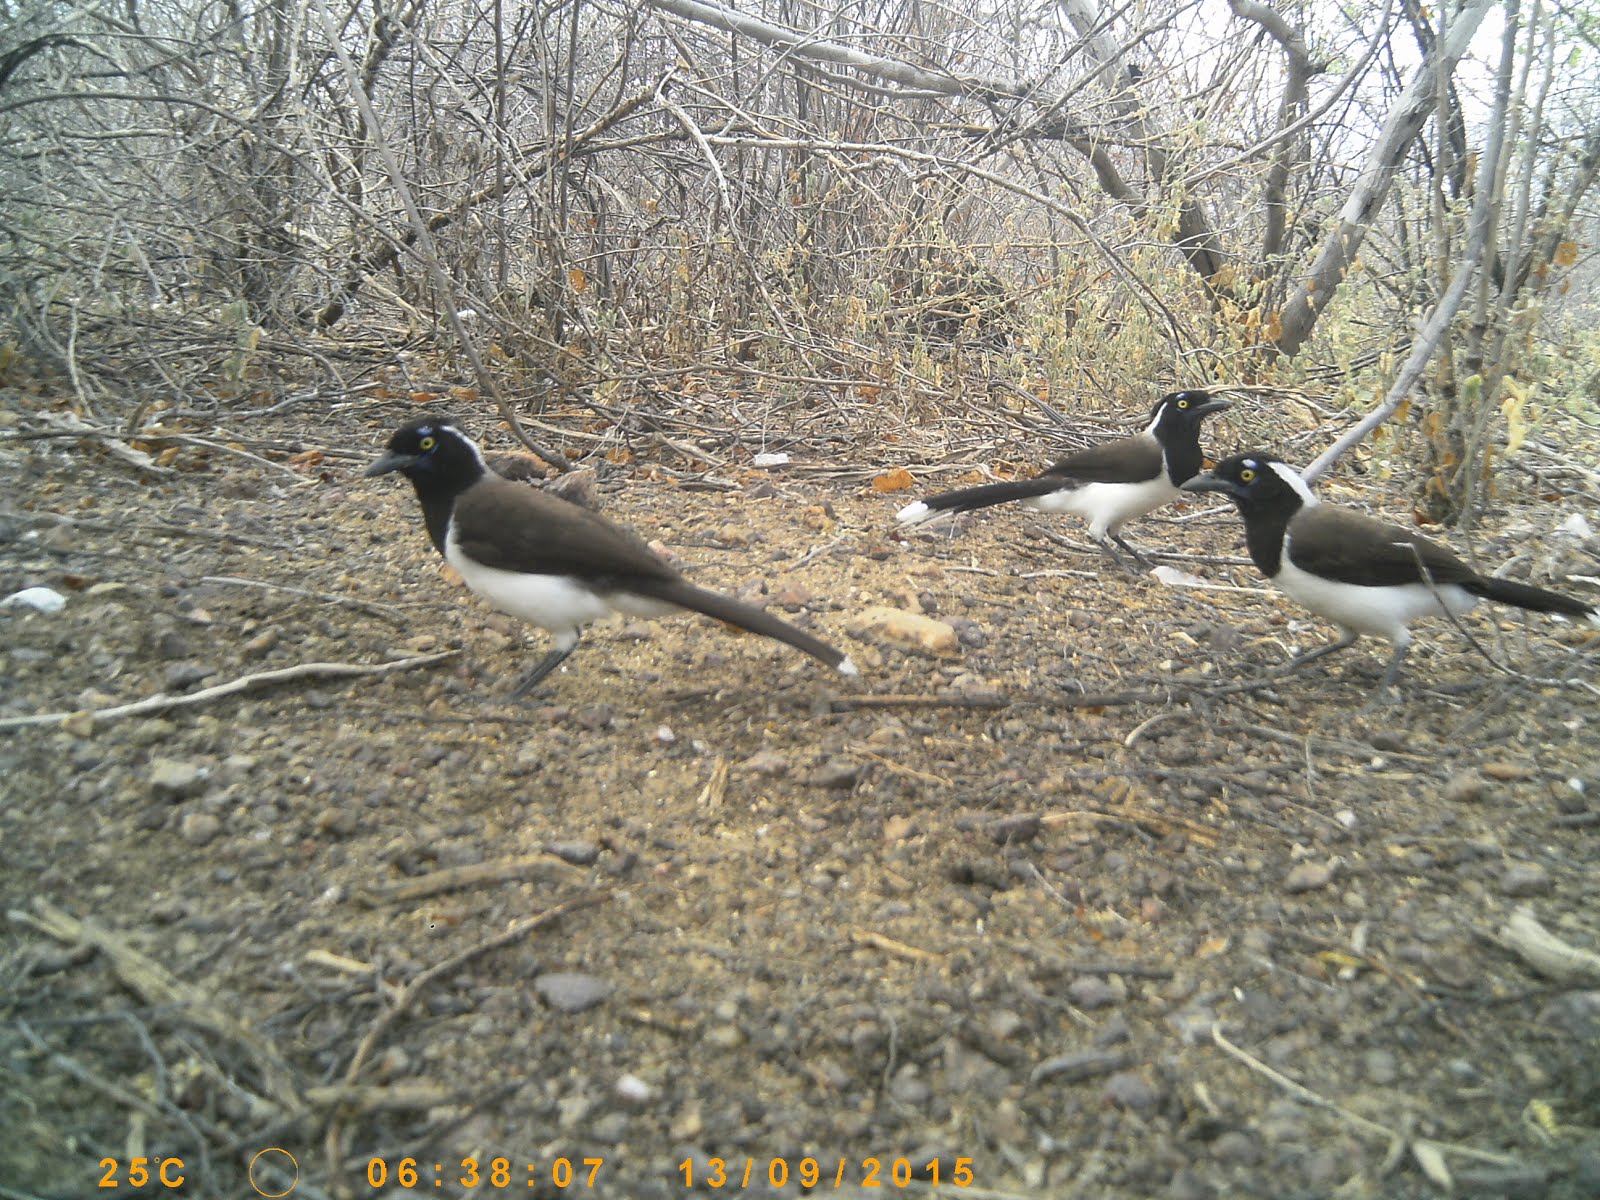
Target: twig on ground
[815,552]
[1423,1148]
[1545,953]
[866,937]
[476,875]
[161,702]
[895,768]
[1159,824]
[716,788]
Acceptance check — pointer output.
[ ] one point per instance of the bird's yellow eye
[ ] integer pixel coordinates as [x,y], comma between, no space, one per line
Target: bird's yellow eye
[1183,403]
[429,442]
[1247,476]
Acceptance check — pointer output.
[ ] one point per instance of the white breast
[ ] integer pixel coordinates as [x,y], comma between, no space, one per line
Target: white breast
[559,603]
[1107,507]
[1379,611]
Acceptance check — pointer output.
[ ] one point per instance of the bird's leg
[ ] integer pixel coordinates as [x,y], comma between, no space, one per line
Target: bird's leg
[1346,640]
[1393,673]
[545,665]
[1117,538]
[1105,544]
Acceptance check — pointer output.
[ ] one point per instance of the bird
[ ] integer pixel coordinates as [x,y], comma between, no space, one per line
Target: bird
[1364,575]
[1106,485]
[546,560]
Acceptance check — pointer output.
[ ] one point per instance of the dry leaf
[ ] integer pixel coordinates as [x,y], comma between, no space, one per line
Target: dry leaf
[897,480]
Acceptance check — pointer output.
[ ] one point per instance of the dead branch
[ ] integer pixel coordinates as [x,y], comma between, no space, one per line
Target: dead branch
[162,702]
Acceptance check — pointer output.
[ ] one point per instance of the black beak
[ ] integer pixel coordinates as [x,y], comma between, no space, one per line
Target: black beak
[393,462]
[1211,406]
[1211,483]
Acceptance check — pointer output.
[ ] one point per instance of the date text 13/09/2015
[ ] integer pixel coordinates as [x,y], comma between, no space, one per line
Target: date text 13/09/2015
[809,1172]
[496,1173]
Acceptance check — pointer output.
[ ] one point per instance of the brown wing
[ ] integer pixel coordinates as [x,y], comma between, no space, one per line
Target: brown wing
[513,527]
[1126,460]
[1350,547]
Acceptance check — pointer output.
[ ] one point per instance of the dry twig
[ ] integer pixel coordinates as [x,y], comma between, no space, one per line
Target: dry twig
[161,701]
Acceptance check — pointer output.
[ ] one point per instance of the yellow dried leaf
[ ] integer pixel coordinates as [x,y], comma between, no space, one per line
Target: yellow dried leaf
[578,280]
[1566,254]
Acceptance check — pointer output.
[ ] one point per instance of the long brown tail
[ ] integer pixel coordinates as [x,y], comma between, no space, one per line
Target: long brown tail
[1523,595]
[745,616]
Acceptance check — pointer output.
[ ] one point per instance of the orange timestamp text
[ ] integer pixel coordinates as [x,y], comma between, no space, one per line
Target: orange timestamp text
[141,1172]
[472,1173]
[810,1173]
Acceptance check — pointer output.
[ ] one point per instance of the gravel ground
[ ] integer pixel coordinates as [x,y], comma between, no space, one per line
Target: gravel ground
[1069,895]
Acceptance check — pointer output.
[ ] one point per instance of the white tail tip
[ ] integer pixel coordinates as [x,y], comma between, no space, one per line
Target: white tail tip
[912,513]
[847,667]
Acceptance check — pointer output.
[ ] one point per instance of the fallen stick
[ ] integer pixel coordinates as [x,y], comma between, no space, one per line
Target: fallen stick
[1428,1152]
[867,937]
[1545,952]
[452,879]
[161,701]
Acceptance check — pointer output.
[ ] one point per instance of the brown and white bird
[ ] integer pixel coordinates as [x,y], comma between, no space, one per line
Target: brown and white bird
[1364,575]
[547,561]
[1107,485]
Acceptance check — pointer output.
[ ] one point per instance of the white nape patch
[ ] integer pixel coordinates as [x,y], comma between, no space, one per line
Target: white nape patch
[1107,507]
[1292,477]
[847,667]
[559,603]
[1380,611]
[913,513]
[477,454]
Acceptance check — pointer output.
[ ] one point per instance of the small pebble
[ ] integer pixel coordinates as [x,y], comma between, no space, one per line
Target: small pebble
[1127,1089]
[1307,877]
[199,828]
[837,774]
[631,1089]
[579,854]
[1525,879]
[1016,830]
[568,991]
[175,780]
[1465,787]
[337,822]
[1090,992]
